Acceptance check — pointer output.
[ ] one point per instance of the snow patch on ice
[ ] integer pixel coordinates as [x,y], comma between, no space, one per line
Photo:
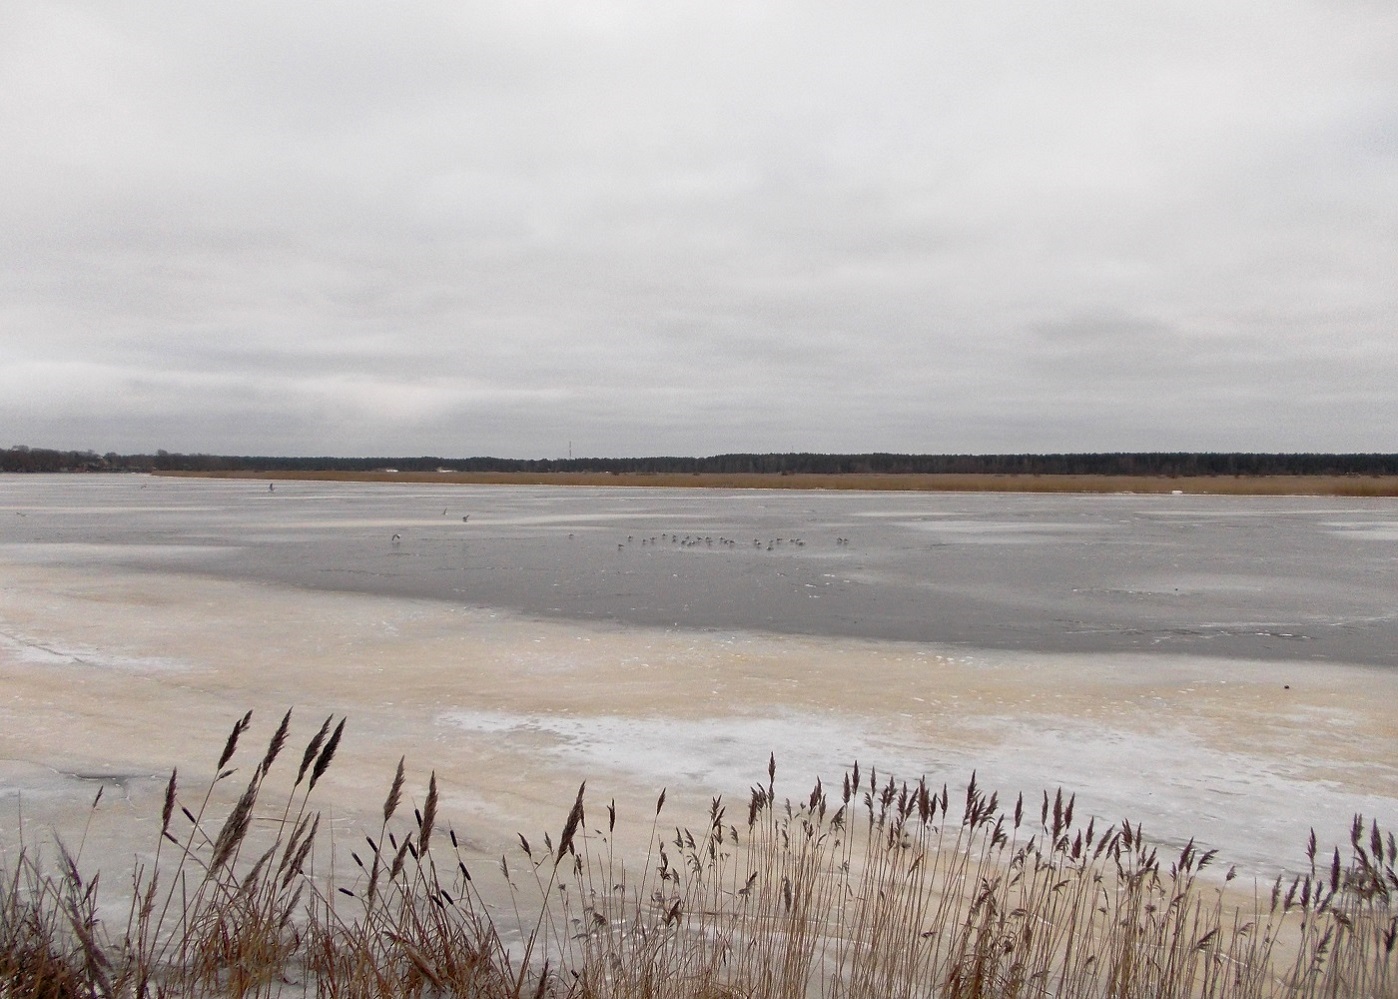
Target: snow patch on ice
[32,652]
[1244,805]
[726,754]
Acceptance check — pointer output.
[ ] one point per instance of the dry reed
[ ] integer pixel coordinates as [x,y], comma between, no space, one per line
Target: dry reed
[887,888]
[1226,485]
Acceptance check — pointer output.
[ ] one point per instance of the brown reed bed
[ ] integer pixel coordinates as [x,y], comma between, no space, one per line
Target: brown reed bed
[1228,485]
[883,888]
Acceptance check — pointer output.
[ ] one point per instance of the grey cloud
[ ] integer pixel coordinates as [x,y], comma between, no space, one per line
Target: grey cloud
[704,227]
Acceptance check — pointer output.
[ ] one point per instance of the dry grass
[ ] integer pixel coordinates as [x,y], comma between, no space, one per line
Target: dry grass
[1238,485]
[884,889]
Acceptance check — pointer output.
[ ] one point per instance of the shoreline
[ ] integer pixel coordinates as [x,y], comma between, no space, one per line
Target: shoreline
[1381,486]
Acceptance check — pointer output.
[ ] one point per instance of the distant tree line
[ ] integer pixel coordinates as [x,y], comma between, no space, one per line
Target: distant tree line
[1182,463]
[39,459]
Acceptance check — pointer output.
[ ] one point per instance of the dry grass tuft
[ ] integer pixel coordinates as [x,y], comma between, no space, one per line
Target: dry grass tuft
[889,889]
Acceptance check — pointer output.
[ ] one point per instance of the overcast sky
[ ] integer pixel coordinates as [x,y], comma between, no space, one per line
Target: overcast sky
[463,228]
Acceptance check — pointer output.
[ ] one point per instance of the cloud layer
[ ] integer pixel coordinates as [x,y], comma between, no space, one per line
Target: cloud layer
[495,228]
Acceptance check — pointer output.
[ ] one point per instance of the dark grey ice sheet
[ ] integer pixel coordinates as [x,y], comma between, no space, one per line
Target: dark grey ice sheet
[1267,578]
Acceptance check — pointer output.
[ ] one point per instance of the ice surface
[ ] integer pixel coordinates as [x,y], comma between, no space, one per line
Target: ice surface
[118,663]
[109,675]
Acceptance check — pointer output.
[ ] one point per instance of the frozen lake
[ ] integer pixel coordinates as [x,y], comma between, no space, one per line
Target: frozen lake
[1221,668]
[1275,579]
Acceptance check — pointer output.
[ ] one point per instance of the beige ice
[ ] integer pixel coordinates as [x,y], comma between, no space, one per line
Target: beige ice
[109,677]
